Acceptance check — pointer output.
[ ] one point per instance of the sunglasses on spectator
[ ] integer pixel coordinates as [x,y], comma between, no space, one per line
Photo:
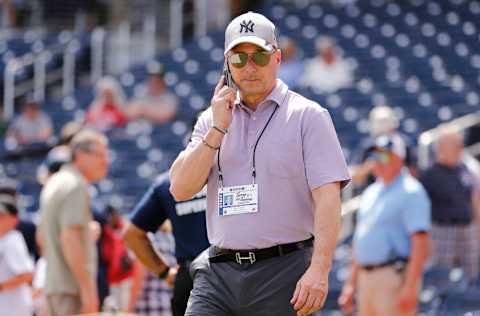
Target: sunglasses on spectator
[239,60]
[379,156]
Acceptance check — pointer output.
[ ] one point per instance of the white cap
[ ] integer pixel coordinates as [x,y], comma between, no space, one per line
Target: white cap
[382,120]
[251,28]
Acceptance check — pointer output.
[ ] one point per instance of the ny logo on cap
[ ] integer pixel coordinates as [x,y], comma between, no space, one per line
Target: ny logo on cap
[246,26]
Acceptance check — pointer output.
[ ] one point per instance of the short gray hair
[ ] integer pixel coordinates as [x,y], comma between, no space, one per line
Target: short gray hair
[84,139]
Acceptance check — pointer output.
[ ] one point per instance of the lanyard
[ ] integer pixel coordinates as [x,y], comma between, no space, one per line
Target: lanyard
[220,175]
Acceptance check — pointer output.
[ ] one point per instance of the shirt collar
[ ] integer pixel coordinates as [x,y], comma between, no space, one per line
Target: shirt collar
[403,173]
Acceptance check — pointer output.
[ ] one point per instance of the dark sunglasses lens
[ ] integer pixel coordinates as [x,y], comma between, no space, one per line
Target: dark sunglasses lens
[261,58]
[238,60]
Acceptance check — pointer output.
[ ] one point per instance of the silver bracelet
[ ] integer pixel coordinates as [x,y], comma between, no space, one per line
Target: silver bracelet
[208,145]
[221,130]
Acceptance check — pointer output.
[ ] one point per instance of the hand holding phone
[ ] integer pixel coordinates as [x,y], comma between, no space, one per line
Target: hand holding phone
[223,100]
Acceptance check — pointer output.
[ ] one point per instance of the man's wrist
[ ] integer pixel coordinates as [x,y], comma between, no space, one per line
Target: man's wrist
[219,129]
[206,143]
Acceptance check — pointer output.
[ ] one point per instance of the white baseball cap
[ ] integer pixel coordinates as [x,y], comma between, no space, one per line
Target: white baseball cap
[382,120]
[252,28]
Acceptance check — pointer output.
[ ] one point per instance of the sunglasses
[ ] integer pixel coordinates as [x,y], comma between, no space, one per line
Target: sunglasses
[379,156]
[239,60]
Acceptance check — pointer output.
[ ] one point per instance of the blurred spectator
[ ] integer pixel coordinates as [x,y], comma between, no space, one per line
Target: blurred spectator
[38,284]
[121,266]
[66,218]
[9,191]
[327,72]
[68,131]
[391,242]
[382,121]
[187,219]
[56,158]
[451,187]
[107,110]
[291,68]
[156,104]
[30,127]
[156,296]
[16,267]
[8,14]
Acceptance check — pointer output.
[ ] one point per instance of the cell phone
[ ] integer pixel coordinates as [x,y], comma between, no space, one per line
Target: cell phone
[228,76]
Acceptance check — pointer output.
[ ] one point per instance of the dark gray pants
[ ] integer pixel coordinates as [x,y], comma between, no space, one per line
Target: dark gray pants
[229,289]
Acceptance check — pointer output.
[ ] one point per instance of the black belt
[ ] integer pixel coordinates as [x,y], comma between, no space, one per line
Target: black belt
[398,263]
[253,255]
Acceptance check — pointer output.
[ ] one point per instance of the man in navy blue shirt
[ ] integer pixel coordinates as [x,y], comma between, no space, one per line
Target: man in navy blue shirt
[189,231]
[453,190]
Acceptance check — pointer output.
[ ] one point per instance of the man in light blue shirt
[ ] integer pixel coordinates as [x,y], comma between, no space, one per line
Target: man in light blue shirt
[391,240]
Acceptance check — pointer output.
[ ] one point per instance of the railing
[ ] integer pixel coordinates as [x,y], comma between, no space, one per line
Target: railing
[40,77]
[200,20]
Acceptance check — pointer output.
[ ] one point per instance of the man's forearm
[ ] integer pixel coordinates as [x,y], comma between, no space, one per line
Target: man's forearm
[138,241]
[190,170]
[72,246]
[418,257]
[327,225]
[16,281]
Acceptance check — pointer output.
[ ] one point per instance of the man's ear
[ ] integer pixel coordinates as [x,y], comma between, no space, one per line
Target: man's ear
[278,56]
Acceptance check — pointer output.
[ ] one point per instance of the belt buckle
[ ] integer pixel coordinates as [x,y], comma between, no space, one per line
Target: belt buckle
[250,257]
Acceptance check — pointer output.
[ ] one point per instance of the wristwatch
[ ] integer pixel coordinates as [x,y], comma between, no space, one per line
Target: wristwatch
[164,274]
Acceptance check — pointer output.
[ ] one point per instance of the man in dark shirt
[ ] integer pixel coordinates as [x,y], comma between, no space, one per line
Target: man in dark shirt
[451,187]
[189,231]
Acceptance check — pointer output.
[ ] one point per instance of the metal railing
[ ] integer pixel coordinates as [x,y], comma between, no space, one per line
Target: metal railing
[38,61]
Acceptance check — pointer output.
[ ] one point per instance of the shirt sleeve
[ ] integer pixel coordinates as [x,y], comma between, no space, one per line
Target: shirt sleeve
[75,208]
[201,128]
[322,154]
[149,214]
[416,215]
[16,255]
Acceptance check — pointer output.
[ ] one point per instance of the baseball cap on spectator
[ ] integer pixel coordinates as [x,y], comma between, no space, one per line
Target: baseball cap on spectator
[56,158]
[390,143]
[68,131]
[382,120]
[251,28]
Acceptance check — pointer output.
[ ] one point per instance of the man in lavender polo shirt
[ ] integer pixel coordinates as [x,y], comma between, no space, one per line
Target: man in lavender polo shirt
[274,169]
